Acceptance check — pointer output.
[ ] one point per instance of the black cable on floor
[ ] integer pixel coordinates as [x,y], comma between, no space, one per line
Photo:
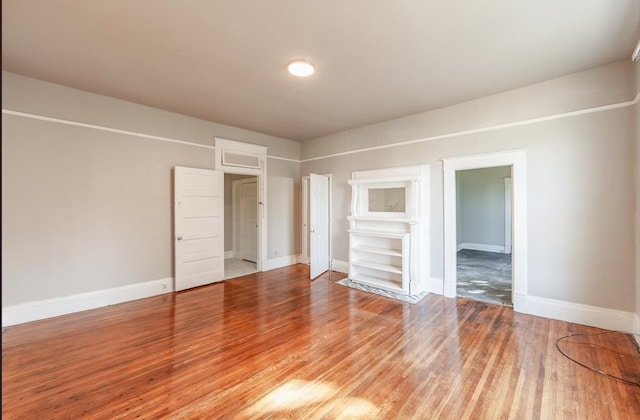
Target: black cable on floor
[592,368]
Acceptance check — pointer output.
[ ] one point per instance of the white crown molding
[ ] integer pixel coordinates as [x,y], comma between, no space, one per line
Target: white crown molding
[601,108]
[101,128]
[350,152]
[118,131]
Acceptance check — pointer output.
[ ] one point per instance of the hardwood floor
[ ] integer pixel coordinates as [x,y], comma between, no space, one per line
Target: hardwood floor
[275,345]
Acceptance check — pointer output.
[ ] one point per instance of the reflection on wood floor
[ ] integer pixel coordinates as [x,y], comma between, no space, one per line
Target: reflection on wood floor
[275,344]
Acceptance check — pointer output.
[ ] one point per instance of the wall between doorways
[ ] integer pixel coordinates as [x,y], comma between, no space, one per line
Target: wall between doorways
[88,207]
[579,136]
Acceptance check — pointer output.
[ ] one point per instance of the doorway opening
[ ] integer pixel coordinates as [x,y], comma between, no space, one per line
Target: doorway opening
[241,225]
[483,235]
[517,160]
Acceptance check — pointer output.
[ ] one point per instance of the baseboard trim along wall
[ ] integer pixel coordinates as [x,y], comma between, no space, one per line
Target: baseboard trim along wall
[577,313]
[481,247]
[33,311]
[273,263]
[228,254]
[435,286]
[340,266]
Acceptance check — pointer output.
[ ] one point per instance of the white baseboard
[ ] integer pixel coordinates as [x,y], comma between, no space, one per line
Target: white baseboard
[594,316]
[340,266]
[33,311]
[481,247]
[435,286]
[450,289]
[273,263]
[228,254]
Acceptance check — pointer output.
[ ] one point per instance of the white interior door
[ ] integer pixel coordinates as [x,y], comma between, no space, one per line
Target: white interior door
[319,224]
[199,227]
[248,220]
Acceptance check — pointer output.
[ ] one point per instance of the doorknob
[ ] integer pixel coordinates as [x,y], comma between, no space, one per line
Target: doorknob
[179,238]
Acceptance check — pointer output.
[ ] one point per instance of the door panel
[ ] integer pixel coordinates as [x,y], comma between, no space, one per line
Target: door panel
[199,227]
[319,224]
[249,221]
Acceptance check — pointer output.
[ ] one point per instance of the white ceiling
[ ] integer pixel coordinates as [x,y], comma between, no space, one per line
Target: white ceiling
[376,60]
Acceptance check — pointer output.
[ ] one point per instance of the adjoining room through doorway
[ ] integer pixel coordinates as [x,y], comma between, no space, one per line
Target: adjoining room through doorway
[483,226]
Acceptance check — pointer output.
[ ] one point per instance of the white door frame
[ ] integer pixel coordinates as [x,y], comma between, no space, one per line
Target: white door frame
[305,222]
[507,215]
[235,194]
[259,170]
[517,159]
[304,258]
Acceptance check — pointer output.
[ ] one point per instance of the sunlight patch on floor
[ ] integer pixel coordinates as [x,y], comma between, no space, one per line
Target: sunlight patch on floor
[311,395]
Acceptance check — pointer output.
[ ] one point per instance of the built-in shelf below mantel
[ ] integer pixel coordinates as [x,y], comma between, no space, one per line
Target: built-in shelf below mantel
[377,282]
[376,266]
[379,251]
[387,229]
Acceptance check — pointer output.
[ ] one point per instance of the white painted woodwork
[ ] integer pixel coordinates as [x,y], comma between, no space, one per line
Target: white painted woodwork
[235,157]
[231,155]
[319,224]
[305,221]
[390,249]
[199,227]
[517,159]
[507,216]
[247,221]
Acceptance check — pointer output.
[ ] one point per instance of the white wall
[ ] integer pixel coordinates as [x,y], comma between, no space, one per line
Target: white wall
[86,209]
[480,206]
[580,168]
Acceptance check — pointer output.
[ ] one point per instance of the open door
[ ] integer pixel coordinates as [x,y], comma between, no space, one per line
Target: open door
[318,224]
[199,227]
[248,220]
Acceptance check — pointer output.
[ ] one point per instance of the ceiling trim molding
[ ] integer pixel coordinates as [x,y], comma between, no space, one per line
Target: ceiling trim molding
[601,108]
[118,131]
[101,128]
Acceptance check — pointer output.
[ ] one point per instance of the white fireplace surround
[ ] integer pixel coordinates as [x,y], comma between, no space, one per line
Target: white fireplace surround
[388,229]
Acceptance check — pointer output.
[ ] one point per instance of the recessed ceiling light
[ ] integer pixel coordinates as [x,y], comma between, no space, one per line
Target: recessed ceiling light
[300,68]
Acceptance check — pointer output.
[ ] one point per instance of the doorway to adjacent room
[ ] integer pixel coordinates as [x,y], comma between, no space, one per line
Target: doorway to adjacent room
[483,234]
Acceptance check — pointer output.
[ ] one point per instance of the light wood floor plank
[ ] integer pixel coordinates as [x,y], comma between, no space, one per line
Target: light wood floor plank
[276,345]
